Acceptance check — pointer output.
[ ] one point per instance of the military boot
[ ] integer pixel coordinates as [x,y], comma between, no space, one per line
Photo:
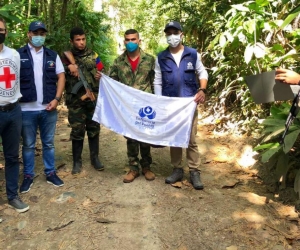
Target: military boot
[77,146]
[94,152]
[149,175]
[195,180]
[176,175]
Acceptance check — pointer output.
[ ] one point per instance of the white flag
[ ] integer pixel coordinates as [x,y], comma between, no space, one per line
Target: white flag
[158,120]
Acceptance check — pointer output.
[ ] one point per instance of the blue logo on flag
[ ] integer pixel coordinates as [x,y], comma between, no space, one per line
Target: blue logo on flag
[147,111]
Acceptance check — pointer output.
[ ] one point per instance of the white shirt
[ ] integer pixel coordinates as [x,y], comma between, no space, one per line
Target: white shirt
[9,76]
[37,57]
[200,69]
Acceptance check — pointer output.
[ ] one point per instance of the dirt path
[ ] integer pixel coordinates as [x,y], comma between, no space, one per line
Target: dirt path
[96,210]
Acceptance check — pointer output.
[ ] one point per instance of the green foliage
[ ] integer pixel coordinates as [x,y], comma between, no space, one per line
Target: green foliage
[59,19]
[270,147]
[251,42]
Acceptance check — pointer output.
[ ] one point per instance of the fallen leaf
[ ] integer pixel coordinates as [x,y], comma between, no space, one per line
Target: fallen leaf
[177,184]
[187,183]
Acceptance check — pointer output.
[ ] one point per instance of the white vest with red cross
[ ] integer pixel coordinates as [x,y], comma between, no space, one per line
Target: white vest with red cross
[9,76]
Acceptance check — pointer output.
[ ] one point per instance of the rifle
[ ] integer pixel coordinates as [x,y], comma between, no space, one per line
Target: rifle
[82,83]
[89,92]
[294,110]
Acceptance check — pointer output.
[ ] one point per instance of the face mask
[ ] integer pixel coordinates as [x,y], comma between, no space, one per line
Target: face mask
[131,47]
[174,40]
[38,41]
[2,38]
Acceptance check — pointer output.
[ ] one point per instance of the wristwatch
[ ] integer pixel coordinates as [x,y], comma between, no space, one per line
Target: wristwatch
[57,98]
[203,90]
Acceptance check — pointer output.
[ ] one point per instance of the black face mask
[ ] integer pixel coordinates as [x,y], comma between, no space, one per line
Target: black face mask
[2,38]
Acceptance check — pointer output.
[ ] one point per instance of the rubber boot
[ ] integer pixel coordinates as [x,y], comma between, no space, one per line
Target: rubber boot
[195,180]
[77,146]
[176,175]
[94,153]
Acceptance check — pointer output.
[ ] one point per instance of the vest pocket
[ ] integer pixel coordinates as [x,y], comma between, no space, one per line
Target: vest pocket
[167,77]
[190,86]
[25,71]
[51,92]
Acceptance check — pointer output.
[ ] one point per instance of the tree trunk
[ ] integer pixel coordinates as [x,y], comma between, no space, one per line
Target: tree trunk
[50,15]
[63,12]
[29,9]
[44,9]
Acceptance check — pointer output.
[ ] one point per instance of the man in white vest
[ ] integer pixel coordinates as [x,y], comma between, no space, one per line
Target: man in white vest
[11,118]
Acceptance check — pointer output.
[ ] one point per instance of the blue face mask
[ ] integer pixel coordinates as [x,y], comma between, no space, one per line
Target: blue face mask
[131,47]
[38,41]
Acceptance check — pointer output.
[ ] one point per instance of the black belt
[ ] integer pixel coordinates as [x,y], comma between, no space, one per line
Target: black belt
[8,107]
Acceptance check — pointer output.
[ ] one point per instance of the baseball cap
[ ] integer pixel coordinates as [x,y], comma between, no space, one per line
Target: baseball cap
[173,24]
[37,25]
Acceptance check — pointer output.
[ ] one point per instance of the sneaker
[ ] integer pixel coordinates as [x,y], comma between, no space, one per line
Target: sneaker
[18,204]
[26,184]
[131,175]
[52,178]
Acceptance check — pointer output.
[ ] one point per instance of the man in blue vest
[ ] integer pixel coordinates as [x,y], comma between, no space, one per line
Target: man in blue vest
[42,81]
[178,72]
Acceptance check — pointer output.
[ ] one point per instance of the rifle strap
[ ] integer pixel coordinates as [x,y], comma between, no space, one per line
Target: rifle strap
[70,57]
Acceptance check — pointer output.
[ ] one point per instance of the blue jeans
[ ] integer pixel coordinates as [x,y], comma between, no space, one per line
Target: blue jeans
[10,131]
[46,122]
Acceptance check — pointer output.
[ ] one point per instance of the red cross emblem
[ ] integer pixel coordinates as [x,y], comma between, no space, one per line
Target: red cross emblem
[7,77]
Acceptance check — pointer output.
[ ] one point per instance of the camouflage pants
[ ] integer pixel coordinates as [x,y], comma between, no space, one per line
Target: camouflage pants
[80,119]
[133,148]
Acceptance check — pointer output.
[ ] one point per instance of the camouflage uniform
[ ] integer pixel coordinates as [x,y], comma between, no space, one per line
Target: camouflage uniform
[142,79]
[81,112]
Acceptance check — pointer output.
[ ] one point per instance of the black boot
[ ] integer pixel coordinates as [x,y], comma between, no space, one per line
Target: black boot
[77,146]
[94,152]
[195,180]
[176,175]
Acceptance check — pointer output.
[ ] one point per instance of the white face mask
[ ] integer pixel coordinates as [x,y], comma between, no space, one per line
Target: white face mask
[174,40]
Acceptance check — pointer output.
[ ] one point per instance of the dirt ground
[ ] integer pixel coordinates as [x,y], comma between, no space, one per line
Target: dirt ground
[96,210]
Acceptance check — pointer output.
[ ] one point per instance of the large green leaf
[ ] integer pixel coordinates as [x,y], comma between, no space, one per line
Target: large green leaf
[282,166]
[291,17]
[266,146]
[289,140]
[271,129]
[274,134]
[297,183]
[273,122]
[262,2]
[268,154]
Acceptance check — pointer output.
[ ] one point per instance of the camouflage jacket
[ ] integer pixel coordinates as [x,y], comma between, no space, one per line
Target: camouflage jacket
[88,64]
[142,78]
